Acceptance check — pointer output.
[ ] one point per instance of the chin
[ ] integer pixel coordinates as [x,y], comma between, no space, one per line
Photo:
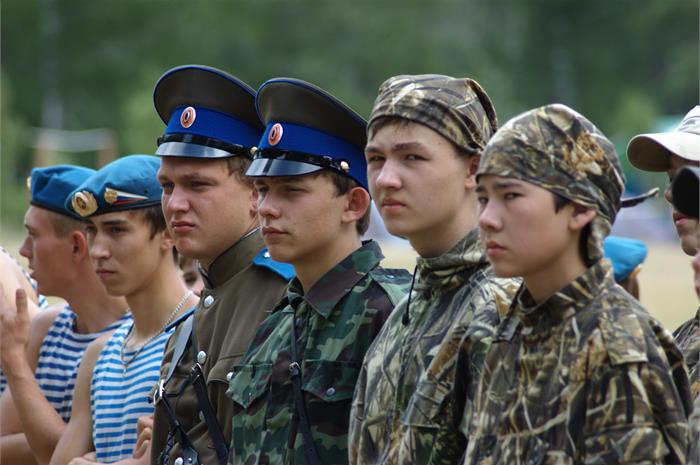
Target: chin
[504,270]
[281,254]
[689,244]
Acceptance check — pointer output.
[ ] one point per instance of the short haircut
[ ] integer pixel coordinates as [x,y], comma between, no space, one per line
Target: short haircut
[154,218]
[238,166]
[399,122]
[559,203]
[343,184]
[64,225]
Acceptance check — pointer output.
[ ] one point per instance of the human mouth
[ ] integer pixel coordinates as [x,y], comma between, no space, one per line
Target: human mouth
[391,205]
[103,273]
[181,227]
[269,231]
[494,249]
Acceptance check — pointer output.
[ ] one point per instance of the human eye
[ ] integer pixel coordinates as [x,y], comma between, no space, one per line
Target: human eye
[511,195]
[167,186]
[261,190]
[483,200]
[414,157]
[90,230]
[374,158]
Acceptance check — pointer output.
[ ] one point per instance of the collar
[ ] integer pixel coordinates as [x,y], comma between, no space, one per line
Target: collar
[233,260]
[336,283]
[439,271]
[566,302]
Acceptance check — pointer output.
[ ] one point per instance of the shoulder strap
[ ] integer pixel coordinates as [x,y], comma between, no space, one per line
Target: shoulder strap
[295,375]
[180,345]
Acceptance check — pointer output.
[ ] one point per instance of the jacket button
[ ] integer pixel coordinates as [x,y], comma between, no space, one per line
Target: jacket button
[178,461]
[330,392]
[201,357]
[208,300]
[229,376]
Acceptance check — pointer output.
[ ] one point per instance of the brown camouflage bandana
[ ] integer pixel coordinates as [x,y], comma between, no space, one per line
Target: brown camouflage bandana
[457,109]
[558,149]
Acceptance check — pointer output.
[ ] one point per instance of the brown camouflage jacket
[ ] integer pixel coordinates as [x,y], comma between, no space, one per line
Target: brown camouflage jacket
[336,321]
[585,377]
[688,339]
[402,406]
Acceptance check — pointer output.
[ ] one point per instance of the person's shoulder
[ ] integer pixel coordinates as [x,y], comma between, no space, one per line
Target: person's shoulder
[264,261]
[394,282]
[43,320]
[626,328]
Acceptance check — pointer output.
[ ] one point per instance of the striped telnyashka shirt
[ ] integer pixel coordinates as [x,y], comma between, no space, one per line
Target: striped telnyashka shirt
[59,358]
[121,382]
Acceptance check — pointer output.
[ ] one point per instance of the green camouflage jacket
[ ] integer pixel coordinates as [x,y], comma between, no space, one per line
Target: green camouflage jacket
[336,321]
[585,377]
[402,406]
[688,339]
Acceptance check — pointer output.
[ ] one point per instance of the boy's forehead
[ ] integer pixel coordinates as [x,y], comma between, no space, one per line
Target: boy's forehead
[182,165]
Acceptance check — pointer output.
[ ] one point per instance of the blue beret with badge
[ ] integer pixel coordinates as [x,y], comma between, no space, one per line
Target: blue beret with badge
[307,130]
[625,254]
[126,183]
[208,113]
[51,186]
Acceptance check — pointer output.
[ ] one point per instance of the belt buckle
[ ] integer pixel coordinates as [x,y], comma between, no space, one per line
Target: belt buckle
[159,392]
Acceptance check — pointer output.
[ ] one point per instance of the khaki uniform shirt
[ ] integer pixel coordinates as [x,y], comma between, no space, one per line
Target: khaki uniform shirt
[336,321]
[584,377]
[402,408]
[242,287]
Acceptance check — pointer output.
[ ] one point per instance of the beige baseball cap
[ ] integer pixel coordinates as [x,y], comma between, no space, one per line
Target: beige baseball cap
[651,152]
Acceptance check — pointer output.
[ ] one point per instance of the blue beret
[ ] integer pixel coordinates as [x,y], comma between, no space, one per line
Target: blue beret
[208,113]
[50,187]
[685,191]
[307,130]
[625,254]
[126,183]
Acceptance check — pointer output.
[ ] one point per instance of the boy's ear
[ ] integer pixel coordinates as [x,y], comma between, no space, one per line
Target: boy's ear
[358,201]
[253,202]
[166,240]
[79,244]
[580,216]
[472,167]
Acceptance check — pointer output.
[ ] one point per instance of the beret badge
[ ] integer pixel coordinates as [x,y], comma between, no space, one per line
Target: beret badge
[84,203]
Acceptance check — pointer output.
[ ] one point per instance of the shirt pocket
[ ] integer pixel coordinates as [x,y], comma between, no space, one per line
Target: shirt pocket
[427,404]
[249,383]
[328,388]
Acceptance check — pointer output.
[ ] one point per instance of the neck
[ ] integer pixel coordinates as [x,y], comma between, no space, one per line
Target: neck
[95,309]
[440,238]
[207,261]
[154,302]
[551,278]
[312,267]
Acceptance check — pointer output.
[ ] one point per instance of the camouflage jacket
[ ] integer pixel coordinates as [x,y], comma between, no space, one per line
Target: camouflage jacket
[336,321]
[587,376]
[688,339]
[694,433]
[401,410]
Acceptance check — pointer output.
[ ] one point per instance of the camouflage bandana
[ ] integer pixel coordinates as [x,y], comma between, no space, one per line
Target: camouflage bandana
[559,150]
[457,109]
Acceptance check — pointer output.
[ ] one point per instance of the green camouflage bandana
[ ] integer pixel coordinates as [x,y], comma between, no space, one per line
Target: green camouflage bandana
[457,109]
[559,150]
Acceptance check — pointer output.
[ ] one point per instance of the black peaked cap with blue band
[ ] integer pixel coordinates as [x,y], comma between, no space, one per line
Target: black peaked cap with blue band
[124,184]
[208,113]
[50,187]
[307,130]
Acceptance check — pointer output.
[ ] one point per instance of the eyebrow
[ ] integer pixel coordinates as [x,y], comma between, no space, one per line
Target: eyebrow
[116,222]
[398,147]
[499,186]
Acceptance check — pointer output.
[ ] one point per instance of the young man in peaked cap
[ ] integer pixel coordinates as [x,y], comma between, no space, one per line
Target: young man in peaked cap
[40,358]
[577,372]
[209,206]
[426,134]
[669,152]
[293,388]
[132,254]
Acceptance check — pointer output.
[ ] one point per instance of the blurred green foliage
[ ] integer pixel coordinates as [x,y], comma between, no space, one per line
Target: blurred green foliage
[83,64]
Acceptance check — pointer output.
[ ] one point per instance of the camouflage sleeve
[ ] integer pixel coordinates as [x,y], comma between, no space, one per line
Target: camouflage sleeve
[634,410]
[694,434]
[357,416]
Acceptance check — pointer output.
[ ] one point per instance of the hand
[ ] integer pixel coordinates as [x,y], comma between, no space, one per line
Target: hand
[87,459]
[144,430]
[14,327]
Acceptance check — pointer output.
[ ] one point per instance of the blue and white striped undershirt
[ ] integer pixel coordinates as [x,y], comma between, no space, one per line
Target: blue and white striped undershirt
[119,393]
[59,358]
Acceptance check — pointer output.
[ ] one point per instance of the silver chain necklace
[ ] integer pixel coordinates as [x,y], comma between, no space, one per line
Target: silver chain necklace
[127,362]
